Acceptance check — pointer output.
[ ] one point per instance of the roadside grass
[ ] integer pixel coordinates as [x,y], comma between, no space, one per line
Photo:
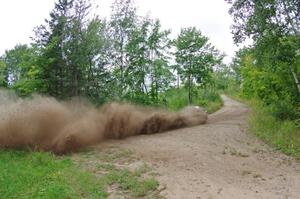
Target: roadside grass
[282,135]
[26,174]
[124,174]
[177,98]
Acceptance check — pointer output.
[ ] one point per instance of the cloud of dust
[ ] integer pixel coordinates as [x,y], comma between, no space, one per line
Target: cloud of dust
[43,123]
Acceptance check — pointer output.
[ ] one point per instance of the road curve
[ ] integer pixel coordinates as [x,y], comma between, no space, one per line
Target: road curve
[217,160]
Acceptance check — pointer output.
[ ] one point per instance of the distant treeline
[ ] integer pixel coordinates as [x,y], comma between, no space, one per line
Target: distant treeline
[128,57]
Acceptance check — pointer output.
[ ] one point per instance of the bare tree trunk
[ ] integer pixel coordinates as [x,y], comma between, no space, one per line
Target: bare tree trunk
[122,66]
[178,80]
[295,78]
[190,89]
[145,87]
[296,32]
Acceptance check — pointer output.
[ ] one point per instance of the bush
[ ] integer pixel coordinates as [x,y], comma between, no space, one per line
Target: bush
[284,110]
[283,135]
[177,98]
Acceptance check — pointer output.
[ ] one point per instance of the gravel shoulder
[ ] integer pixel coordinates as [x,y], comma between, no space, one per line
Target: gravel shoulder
[217,160]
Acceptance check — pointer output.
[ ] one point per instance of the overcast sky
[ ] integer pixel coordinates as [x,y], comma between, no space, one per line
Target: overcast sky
[19,17]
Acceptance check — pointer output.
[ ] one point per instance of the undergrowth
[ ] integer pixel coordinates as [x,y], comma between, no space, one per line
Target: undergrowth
[27,174]
[177,98]
[282,135]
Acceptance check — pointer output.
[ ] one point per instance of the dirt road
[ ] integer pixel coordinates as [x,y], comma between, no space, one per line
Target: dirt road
[218,160]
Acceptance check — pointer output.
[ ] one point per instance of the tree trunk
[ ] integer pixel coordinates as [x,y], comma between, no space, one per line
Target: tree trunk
[74,82]
[295,78]
[296,32]
[178,80]
[190,93]
[122,66]
[156,91]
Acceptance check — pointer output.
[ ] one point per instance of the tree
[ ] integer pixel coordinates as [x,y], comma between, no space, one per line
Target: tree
[20,70]
[256,18]
[147,50]
[52,38]
[161,78]
[3,74]
[160,74]
[123,22]
[270,24]
[195,58]
[237,61]
[96,50]
[74,50]
[274,27]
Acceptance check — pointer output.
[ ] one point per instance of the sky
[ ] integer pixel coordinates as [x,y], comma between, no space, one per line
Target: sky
[19,17]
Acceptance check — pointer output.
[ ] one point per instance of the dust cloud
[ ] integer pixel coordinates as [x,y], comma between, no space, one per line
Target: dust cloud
[45,124]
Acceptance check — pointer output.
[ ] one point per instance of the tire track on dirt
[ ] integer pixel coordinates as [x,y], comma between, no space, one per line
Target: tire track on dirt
[217,160]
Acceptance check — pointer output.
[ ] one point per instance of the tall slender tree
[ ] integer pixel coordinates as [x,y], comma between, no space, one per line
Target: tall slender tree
[3,73]
[123,22]
[195,57]
[52,38]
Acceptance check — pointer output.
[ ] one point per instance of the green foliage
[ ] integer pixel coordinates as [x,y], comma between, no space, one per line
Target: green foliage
[126,58]
[21,72]
[284,110]
[224,77]
[272,87]
[195,58]
[269,70]
[283,135]
[122,25]
[147,62]
[260,18]
[3,73]
[209,98]
[175,99]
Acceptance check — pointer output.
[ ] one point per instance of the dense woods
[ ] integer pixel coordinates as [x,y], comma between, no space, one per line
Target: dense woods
[127,57]
[267,72]
[269,69]
[131,57]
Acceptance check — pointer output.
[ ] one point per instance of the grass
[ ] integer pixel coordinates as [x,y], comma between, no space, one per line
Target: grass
[131,182]
[282,135]
[113,165]
[178,98]
[26,174]
[116,167]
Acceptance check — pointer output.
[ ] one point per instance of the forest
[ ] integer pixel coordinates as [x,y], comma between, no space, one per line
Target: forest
[124,58]
[131,58]
[267,72]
